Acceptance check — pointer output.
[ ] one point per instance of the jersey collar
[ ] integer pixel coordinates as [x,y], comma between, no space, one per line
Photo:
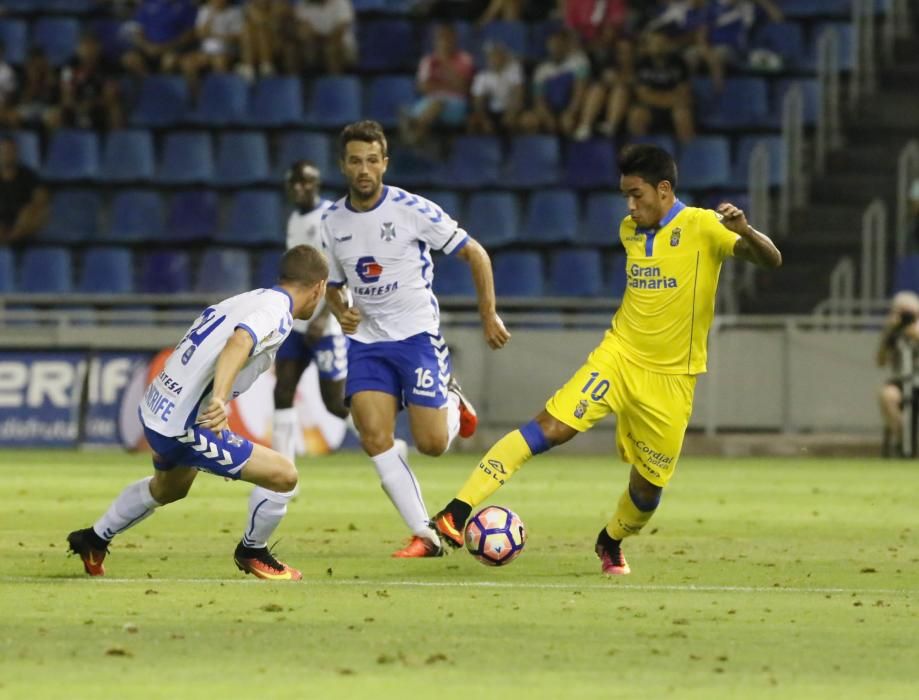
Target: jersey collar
[382,199]
[677,207]
[290,299]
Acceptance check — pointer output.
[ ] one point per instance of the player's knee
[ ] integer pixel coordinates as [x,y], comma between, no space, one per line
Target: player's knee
[432,445]
[284,478]
[164,493]
[375,443]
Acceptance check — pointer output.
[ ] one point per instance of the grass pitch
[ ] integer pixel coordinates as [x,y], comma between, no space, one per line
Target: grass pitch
[756,579]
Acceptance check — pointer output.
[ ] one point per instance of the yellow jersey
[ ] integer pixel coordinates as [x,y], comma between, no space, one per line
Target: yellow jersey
[672,277]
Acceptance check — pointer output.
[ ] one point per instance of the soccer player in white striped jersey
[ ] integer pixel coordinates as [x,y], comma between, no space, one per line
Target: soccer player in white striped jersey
[379,241]
[184,417]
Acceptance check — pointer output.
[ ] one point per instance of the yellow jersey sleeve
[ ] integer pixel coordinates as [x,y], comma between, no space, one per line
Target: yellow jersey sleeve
[721,239]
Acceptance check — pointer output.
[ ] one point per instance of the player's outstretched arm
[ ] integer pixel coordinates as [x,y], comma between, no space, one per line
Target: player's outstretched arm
[753,246]
[496,335]
[348,316]
[229,363]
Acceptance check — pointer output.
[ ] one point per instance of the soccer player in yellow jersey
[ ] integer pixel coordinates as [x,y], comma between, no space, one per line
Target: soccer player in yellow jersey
[645,368]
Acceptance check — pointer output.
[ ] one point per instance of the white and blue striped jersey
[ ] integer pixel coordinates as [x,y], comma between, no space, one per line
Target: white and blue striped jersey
[171,402]
[384,256]
[304,229]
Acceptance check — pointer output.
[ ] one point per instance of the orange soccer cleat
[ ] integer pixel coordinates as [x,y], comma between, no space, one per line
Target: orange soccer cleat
[445,525]
[612,560]
[262,564]
[91,548]
[419,547]
[469,420]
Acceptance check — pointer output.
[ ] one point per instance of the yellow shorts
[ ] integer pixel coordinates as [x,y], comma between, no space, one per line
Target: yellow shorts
[652,409]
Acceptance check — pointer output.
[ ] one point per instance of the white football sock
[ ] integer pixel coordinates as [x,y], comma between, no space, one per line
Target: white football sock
[403,490]
[266,508]
[132,505]
[284,432]
[453,417]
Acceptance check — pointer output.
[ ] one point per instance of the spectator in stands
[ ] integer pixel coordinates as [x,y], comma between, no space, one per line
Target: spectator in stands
[269,39]
[591,18]
[36,104]
[218,29]
[90,96]
[725,36]
[325,29]
[501,10]
[497,93]
[160,32]
[559,87]
[682,21]
[608,89]
[444,77]
[662,98]
[902,323]
[23,199]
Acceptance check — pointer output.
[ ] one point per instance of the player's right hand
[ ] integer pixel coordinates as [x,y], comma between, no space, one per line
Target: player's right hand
[496,335]
[349,321]
[214,417]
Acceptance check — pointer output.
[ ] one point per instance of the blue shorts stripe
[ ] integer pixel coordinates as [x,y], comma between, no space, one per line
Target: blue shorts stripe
[224,454]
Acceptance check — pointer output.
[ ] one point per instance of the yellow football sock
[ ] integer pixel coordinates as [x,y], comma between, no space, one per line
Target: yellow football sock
[497,466]
[628,519]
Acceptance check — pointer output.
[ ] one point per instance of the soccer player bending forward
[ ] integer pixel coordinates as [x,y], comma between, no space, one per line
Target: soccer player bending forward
[184,416]
[379,241]
[645,368]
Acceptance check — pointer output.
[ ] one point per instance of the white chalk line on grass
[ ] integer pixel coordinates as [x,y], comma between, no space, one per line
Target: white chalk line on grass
[611,586]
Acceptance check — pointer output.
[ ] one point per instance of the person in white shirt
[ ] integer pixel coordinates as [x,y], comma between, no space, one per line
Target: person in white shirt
[218,29]
[325,29]
[497,93]
[379,241]
[184,415]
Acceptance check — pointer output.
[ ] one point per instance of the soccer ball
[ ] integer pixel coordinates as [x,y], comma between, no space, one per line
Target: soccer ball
[495,536]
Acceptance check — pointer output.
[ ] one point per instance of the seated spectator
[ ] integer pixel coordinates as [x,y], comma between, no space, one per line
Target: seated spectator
[444,76]
[501,10]
[608,89]
[590,18]
[559,87]
[90,98]
[662,96]
[36,103]
[497,93]
[218,28]
[682,21]
[23,199]
[160,32]
[269,39]
[325,29]
[901,324]
[725,37]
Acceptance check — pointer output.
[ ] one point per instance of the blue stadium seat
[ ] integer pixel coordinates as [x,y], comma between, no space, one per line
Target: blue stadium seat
[387,45]
[474,162]
[906,274]
[446,200]
[493,218]
[452,277]
[514,35]
[576,273]
[534,162]
[705,163]
[109,32]
[616,278]
[305,145]
[255,219]
[336,100]
[519,274]
[71,7]
[815,8]
[665,141]
[539,34]
[29,148]
[46,271]
[136,216]
[57,36]
[408,168]
[605,212]
[846,43]
[72,155]
[165,272]
[163,101]
[742,103]
[784,38]
[552,217]
[242,159]
[187,158]
[107,271]
[266,268]
[128,156]
[74,216]
[745,150]
[7,284]
[276,101]
[810,91]
[388,94]
[15,36]
[192,216]
[590,164]
[224,271]
[222,101]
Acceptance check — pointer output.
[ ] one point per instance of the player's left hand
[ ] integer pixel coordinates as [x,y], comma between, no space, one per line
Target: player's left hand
[496,335]
[214,417]
[733,218]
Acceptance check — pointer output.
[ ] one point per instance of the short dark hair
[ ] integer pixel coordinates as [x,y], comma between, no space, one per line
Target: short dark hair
[651,163]
[295,171]
[367,130]
[303,264]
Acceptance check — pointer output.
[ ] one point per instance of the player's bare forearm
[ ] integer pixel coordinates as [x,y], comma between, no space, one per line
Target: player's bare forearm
[347,316]
[474,254]
[231,360]
[754,246]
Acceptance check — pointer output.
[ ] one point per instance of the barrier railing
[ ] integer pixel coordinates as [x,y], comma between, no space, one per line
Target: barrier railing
[897,23]
[792,192]
[829,133]
[863,82]
[873,282]
[907,173]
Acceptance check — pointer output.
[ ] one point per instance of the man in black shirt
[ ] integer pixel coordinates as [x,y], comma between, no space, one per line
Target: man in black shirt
[663,95]
[23,199]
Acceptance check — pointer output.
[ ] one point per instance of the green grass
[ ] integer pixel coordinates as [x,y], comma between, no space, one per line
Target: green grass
[757,579]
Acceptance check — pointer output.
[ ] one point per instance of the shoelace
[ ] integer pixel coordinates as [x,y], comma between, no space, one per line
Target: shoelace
[267,557]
